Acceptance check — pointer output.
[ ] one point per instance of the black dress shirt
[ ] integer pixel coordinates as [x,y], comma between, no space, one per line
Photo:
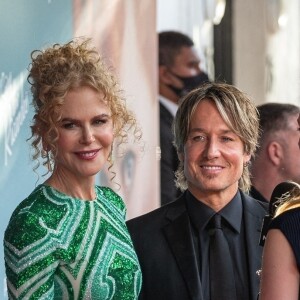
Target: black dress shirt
[233,227]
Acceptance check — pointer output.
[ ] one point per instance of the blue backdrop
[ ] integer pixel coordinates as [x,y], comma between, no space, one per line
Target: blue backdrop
[25,25]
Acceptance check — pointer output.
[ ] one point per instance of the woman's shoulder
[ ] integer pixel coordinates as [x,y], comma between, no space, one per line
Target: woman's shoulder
[106,193]
[289,213]
[28,204]
[24,223]
[43,197]
[288,223]
[289,218]
[35,215]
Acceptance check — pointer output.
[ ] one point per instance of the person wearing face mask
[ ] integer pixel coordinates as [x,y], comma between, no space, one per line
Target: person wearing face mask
[179,73]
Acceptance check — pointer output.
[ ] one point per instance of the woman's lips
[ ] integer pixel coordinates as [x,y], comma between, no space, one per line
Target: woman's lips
[87,155]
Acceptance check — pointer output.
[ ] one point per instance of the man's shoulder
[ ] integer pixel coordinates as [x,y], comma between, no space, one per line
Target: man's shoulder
[157,216]
[165,112]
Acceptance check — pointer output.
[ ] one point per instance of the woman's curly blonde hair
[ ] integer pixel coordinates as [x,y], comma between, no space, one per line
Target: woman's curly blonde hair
[55,71]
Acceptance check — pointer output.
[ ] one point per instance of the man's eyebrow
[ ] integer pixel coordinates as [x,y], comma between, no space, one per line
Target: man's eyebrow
[199,129]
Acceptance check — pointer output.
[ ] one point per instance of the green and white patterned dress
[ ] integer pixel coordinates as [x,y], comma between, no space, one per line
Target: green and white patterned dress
[59,247]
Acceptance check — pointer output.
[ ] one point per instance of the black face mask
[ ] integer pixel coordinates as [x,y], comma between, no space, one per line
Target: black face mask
[189,83]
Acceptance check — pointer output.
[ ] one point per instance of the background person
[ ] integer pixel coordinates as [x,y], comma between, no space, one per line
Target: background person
[277,157]
[179,73]
[68,238]
[280,277]
[216,130]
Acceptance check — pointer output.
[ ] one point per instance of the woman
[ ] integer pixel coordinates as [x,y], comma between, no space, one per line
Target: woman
[280,278]
[68,238]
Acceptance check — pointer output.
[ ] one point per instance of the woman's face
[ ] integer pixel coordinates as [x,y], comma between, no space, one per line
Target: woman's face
[85,134]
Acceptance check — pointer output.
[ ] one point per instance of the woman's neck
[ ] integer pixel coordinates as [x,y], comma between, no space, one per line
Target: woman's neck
[82,189]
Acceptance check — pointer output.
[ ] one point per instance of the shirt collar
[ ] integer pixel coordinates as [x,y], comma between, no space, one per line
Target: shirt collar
[169,105]
[200,213]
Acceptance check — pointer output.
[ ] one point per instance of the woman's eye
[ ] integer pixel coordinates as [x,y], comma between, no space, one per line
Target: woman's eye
[100,121]
[68,125]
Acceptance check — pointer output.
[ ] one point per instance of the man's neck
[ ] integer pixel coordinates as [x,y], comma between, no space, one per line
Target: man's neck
[166,92]
[216,200]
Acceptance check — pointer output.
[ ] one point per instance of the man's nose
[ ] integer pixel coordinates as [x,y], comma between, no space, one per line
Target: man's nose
[212,149]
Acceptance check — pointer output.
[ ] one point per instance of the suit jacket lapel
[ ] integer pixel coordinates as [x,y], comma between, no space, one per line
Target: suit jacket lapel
[253,222]
[179,237]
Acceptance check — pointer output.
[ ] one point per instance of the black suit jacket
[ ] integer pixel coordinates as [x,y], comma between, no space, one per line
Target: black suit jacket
[163,242]
[169,159]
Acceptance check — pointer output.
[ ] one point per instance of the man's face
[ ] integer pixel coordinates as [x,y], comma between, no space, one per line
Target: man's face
[290,167]
[182,76]
[187,62]
[213,155]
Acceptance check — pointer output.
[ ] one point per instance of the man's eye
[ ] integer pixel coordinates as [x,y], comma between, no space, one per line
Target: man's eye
[198,138]
[226,139]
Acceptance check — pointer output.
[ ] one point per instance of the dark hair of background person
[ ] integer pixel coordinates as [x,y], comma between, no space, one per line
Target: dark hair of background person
[274,117]
[170,44]
[276,157]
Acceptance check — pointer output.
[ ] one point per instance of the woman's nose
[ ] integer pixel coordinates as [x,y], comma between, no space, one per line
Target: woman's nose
[87,136]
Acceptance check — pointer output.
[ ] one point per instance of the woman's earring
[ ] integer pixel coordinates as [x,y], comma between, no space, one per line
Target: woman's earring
[50,162]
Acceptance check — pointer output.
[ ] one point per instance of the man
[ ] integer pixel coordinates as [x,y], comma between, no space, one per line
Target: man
[179,72]
[277,157]
[216,130]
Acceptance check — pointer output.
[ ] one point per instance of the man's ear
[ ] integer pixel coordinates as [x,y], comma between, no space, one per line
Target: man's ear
[180,156]
[164,75]
[275,152]
[247,158]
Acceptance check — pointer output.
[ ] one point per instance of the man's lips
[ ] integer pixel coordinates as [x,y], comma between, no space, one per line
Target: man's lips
[211,168]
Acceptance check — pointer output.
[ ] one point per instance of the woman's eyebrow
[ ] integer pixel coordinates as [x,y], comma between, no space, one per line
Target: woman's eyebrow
[68,119]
